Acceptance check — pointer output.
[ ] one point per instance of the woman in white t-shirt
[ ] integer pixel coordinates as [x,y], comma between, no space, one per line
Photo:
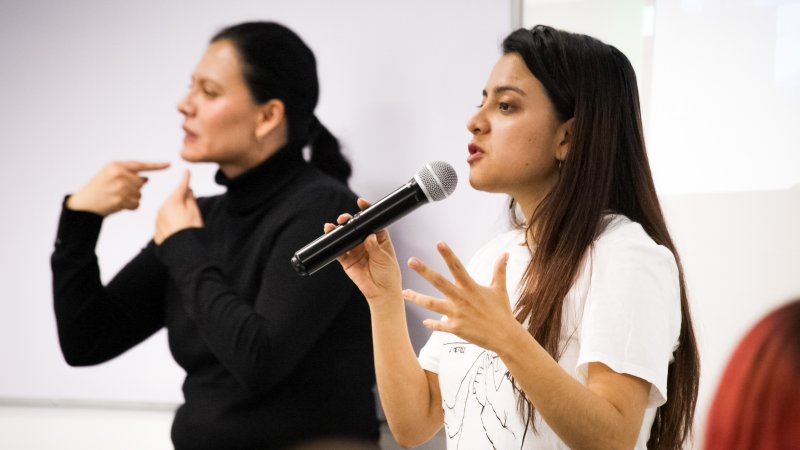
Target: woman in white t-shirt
[572,330]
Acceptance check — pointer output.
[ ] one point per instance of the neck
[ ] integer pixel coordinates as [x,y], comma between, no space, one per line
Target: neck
[529,201]
[259,153]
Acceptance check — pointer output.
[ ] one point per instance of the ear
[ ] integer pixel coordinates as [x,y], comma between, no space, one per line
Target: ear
[564,137]
[269,117]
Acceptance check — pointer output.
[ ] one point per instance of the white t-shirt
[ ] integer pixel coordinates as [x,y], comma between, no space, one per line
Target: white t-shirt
[623,311]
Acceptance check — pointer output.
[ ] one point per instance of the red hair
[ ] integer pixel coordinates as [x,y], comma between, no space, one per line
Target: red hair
[757,405]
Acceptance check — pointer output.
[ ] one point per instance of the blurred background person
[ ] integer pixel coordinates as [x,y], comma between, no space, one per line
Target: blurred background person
[757,402]
[271,358]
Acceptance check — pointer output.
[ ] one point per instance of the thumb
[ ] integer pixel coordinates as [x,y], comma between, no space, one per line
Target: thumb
[499,278]
[183,187]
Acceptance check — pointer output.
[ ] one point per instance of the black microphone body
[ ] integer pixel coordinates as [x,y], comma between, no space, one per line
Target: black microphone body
[327,247]
[434,182]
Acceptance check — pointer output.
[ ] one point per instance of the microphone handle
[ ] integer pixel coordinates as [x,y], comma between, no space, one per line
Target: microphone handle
[323,250]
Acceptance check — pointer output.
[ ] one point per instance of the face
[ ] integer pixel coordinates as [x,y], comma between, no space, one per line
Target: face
[516,135]
[220,114]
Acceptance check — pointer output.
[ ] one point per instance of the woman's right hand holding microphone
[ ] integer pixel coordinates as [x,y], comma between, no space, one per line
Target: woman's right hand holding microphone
[116,187]
[372,265]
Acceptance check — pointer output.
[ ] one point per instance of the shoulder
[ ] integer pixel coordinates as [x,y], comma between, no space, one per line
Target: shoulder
[315,193]
[624,242]
[503,242]
[627,265]
[482,264]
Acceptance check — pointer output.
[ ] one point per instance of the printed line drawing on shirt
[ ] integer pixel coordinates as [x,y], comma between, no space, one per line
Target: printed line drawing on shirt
[483,391]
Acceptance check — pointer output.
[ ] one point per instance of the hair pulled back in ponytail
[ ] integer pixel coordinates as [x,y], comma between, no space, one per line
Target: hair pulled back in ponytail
[277,64]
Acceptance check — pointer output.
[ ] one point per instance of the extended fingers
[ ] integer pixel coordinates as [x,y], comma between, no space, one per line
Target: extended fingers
[499,277]
[139,166]
[434,278]
[185,180]
[426,301]
[183,186]
[454,265]
[436,325]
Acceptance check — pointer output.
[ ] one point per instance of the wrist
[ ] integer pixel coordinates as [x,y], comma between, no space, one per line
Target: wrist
[75,203]
[72,203]
[515,337]
[386,304]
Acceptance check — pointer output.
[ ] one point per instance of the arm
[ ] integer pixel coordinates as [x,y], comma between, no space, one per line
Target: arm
[605,413]
[410,396]
[96,323]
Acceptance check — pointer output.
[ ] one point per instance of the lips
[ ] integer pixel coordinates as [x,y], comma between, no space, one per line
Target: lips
[190,135]
[475,153]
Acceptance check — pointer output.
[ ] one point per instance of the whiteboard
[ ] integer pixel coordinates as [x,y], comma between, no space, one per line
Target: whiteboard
[90,81]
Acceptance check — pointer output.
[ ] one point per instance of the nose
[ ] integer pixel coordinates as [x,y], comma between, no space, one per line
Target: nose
[478,124]
[185,105]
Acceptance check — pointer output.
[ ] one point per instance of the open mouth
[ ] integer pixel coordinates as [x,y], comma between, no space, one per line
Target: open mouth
[475,152]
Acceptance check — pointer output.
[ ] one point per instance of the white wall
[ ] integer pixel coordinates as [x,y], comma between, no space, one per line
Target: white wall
[740,254]
[89,81]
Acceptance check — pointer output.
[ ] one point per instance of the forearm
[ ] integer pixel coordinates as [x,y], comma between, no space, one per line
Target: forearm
[580,417]
[96,322]
[411,409]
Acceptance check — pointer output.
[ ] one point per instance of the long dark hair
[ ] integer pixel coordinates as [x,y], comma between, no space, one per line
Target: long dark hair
[606,170]
[277,64]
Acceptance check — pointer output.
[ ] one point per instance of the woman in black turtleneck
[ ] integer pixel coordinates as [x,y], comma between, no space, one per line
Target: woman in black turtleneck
[272,359]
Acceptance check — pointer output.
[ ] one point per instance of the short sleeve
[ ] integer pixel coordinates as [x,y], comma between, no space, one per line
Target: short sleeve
[430,353]
[631,319]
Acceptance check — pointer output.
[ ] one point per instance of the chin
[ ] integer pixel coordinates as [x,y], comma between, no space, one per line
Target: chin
[477,183]
[484,185]
[190,155]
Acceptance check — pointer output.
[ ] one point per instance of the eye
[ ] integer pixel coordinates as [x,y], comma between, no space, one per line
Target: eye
[503,106]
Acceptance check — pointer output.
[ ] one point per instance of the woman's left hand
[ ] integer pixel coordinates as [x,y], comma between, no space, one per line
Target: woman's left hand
[479,314]
[178,212]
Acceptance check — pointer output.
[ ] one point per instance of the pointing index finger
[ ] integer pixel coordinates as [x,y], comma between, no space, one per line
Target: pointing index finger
[141,166]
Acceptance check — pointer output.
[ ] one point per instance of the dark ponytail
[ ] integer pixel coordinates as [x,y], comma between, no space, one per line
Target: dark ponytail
[277,64]
[326,154]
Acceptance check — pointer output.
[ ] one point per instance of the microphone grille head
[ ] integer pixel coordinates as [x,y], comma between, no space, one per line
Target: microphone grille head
[438,179]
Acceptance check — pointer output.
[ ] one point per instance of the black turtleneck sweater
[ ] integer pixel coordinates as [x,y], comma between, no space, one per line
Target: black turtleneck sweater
[271,358]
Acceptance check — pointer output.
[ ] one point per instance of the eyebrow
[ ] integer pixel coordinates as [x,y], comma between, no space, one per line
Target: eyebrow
[501,89]
[202,80]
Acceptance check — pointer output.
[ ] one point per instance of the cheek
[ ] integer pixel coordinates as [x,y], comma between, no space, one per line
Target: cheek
[227,125]
[221,118]
[519,144]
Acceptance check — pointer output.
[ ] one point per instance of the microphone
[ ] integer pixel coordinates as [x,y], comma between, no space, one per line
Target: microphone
[433,182]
